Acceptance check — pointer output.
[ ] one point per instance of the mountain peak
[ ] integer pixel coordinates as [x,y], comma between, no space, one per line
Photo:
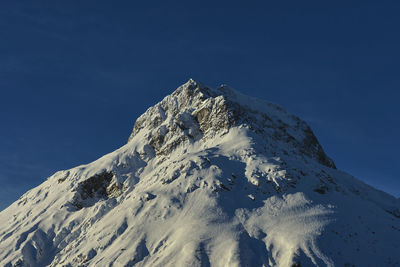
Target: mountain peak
[209,177]
[195,112]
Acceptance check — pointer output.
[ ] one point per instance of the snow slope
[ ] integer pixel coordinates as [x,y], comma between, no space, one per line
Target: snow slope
[209,177]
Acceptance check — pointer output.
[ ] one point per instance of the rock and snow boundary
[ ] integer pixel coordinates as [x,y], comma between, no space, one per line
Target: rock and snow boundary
[209,177]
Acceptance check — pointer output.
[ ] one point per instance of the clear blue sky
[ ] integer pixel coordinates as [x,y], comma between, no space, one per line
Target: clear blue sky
[74,75]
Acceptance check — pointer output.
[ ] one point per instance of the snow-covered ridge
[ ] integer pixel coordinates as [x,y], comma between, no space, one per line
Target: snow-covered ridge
[209,177]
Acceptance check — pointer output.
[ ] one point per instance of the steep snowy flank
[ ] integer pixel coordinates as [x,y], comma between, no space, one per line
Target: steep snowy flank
[209,177]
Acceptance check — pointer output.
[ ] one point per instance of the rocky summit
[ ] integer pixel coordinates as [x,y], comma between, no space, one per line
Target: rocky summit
[208,177]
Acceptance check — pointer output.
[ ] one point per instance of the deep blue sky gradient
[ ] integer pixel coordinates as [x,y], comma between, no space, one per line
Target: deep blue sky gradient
[74,75]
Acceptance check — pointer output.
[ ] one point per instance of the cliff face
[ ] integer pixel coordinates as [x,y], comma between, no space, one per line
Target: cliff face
[209,177]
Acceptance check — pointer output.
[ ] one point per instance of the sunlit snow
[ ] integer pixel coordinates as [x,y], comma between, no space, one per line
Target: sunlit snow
[209,177]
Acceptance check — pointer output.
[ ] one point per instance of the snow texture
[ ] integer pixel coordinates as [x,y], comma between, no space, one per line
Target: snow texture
[209,177]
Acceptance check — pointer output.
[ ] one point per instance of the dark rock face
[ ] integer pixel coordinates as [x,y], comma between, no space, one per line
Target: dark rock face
[195,112]
[312,147]
[99,186]
[96,186]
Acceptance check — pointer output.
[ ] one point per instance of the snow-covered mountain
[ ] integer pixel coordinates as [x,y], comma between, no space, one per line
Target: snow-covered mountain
[209,177]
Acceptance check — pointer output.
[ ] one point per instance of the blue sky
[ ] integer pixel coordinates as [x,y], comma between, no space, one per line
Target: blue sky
[74,75]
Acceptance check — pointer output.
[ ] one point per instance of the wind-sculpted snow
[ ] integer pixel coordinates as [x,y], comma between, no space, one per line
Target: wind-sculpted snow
[208,178]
